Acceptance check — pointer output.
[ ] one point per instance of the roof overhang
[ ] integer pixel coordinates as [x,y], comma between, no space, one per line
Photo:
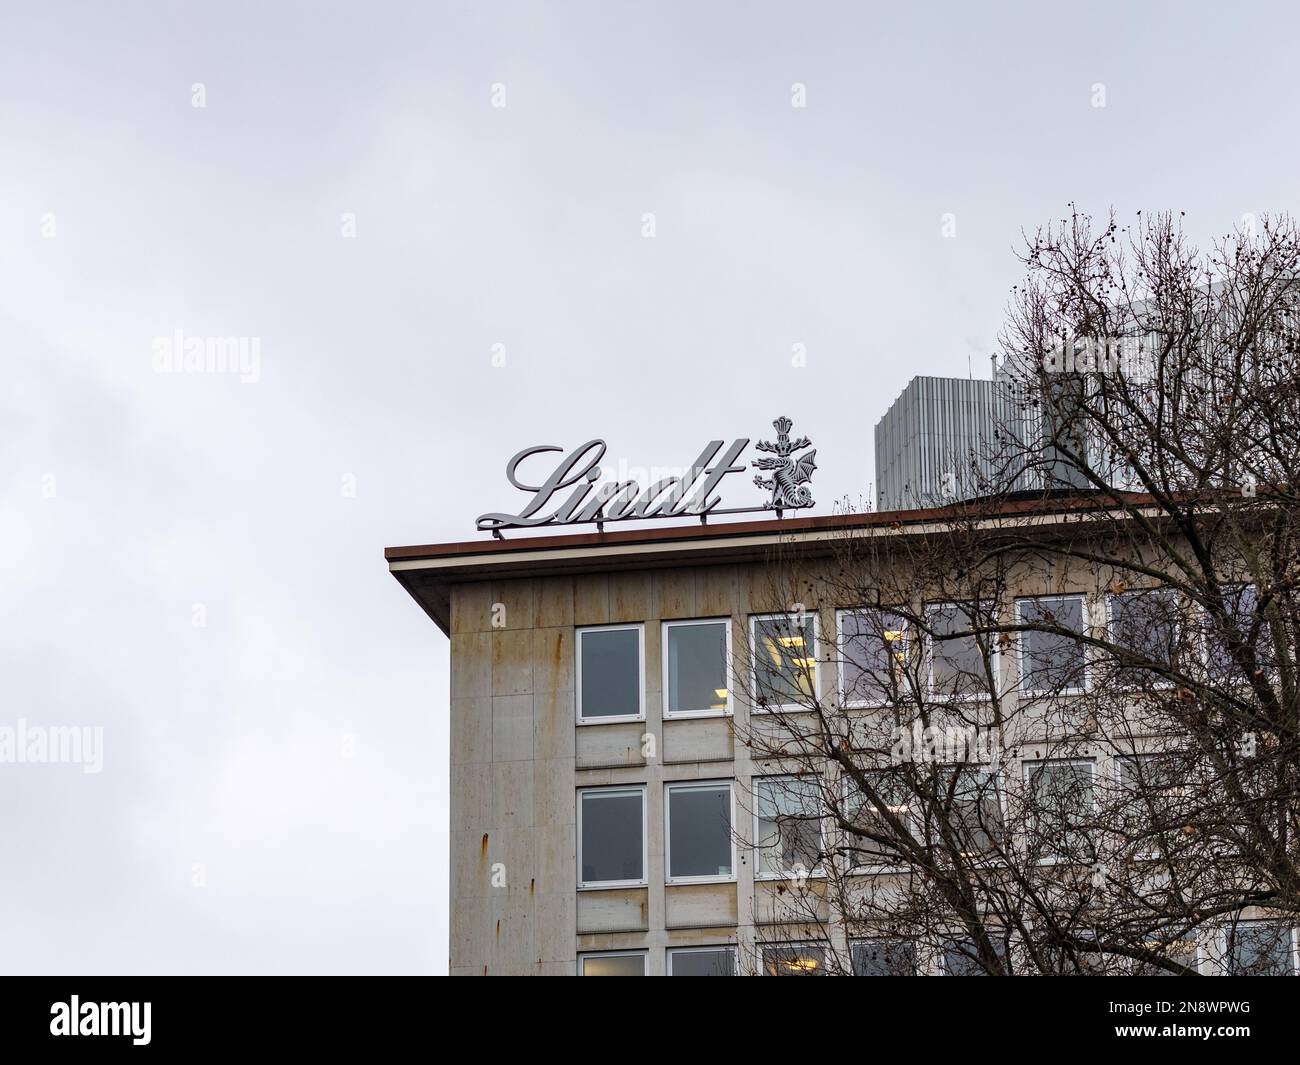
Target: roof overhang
[429,571]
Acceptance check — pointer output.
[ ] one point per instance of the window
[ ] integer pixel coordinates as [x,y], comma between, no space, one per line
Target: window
[787,826]
[873,655]
[866,852]
[698,832]
[1240,605]
[631,963]
[611,674]
[1067,951]
[1060,800]
[794,959]
[883,957]
[1151,786]
[1146,626]
[957,663]
[961,957]
[973,801]
[611,837]
[702,961]
[785,660]
[697,658]
[1261,948]
[1050,661]
[1181,952]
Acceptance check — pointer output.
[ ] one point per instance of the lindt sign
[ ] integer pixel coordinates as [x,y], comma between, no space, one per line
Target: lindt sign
[572,493]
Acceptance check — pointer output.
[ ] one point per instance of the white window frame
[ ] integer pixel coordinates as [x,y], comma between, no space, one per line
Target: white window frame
[918,967]
[1093,781]
[1225,960]
[616,789]
[675,715]
[1204,635]
[639,628]
[697,785]
[1198,963]
[940,953]
[1118,761]
[1020,645]
[767,708]
[1000,788]
[788,874]
[722,948]
[798,944]
[995,657]
[846,785]
[840,689]
[644,955]
[1180,621]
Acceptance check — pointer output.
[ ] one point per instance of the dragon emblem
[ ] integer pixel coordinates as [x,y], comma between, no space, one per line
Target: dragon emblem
[790,477]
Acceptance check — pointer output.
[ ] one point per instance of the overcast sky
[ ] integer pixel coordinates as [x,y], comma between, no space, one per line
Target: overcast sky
[193,563]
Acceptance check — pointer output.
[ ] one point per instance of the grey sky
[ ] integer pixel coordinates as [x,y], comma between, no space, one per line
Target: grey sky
[475,226]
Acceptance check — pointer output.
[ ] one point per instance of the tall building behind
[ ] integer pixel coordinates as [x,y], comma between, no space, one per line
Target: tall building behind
[945,439]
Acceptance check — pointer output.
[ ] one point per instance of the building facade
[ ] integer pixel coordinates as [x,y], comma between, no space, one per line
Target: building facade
[611,813]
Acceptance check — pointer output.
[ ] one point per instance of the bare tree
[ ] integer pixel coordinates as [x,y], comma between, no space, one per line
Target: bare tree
[1055,728]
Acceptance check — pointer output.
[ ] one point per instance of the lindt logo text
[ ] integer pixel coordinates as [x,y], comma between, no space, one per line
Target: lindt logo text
[573,491]
[573,482]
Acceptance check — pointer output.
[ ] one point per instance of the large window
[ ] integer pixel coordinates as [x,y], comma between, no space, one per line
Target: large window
[972,798]
[1055,954]
[697,657]
[1151,790]
[702,961]
[958,665]
[794,959]
[883,957]
[787,826]
[611,837]
[1182,953]
[961,957]
[1145,626]
[1261,948]
[699,840]
[611,674]
[872,656]
[1237,624]
[1051,660]
[785,660]
[873,849]
[1061,802]
[627,963]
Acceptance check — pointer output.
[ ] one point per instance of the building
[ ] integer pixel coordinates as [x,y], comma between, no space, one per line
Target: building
[938,442]
[606,817]
[946,439]
[557,699]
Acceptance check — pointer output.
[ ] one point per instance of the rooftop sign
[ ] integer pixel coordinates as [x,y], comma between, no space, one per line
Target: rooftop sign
[570,495]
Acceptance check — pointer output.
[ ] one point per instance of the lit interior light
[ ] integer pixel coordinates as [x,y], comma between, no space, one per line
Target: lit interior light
[721,693]
[791,641]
